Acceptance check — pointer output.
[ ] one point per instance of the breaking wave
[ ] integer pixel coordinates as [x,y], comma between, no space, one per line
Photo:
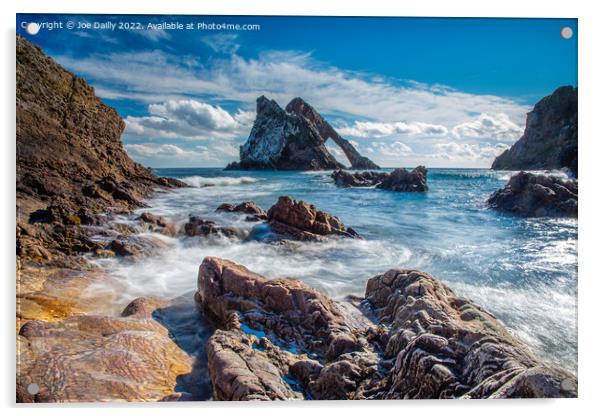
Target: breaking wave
[202,181]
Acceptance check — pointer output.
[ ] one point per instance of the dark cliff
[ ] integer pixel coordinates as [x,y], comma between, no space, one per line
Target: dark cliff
[550,137]
[71,164]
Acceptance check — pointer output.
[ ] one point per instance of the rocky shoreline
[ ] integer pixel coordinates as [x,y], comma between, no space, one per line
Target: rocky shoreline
[237,335]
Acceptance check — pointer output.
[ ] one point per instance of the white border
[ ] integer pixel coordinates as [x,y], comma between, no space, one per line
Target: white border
[590,71]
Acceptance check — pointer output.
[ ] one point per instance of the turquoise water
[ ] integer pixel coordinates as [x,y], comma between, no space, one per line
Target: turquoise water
[522,270]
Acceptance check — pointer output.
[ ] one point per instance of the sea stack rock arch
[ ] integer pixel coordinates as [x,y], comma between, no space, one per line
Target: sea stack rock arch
[293,139]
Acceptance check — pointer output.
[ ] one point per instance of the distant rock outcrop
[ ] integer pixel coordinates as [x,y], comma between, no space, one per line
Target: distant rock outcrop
[537,196]
[400,180]
[71,164]
[293,139]
[550,137]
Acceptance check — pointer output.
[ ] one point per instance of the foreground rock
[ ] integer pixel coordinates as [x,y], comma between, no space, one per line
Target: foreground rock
[92,358]
[280,339]
[400,180]
[534,195]
[293,139]
[550,137]
[302,221]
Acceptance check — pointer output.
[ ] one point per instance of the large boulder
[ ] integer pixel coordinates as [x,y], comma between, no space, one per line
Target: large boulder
[302,221]
[280,339]
[550,137]
[400,180]
[534,195]
[292,139]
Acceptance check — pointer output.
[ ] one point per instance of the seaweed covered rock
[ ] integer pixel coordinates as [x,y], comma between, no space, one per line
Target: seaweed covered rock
[302,221]
[534,195]
[280,339]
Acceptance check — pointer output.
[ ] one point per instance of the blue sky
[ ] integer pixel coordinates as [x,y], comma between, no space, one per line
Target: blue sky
[406,91]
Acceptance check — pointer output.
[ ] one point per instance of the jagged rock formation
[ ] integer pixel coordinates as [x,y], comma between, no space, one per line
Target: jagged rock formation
[537,196]
[293,140]
[71,164]
[400,180]
[550,137]
[302,221]
[280,339]
[300,107]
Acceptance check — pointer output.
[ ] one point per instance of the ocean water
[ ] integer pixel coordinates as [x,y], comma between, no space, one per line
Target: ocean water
[522,270]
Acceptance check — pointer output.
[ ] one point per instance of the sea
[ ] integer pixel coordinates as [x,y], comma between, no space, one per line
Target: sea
[523,270]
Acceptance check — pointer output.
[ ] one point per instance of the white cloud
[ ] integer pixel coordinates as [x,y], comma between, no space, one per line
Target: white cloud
[497,127]
[371,129]
[153,34]
[389,150]
[154,150]
[183,93]
[467,152]
[222,42]
[282,75]
[189,119]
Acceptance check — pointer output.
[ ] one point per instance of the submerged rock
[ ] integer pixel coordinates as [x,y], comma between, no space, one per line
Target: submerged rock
[293,139]
[280,339]
[197,226]
[248,207]
[550,137]
[400,180]
[534,195]
[302,221]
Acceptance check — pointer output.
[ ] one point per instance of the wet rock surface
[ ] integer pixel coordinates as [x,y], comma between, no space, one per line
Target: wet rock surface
[199,227]
[293,139]
[400,180]
[280,339]
[250,208]
[299,220]
[534,195]
[154,351]
[550,137]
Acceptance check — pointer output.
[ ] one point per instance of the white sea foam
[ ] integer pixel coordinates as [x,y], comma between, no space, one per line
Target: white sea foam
[523,270]
[202,181]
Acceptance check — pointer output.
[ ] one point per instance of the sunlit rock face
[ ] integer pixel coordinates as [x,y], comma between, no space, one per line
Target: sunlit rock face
[293,139]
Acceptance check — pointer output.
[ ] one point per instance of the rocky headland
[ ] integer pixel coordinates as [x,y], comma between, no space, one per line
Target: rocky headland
[293,139]
[534,195]
[72,169]
[400,180]
[550,137]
